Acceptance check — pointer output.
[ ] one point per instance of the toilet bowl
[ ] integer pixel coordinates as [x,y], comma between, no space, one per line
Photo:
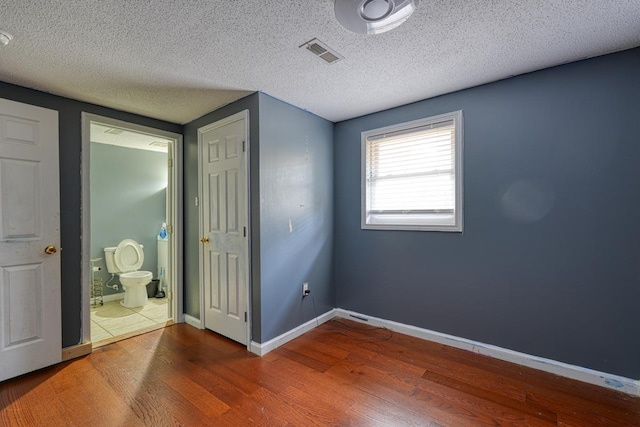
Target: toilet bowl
[135,288]
[126,260]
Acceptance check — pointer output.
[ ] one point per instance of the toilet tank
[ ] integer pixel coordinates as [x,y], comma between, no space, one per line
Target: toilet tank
[109,255]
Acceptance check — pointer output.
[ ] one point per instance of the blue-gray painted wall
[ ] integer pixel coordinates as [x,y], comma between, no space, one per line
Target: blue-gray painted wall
[70,137]
[291,175]
[548,261]
[546,264]
[296,216]
[128,201]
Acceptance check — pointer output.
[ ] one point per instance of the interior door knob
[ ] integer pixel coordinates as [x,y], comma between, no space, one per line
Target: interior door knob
[50,250]
[204,240]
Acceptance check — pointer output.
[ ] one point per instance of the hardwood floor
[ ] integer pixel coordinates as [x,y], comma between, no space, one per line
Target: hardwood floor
[342,373]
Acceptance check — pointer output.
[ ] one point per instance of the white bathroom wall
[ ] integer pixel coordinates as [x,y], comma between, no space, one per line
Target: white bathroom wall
[128,200]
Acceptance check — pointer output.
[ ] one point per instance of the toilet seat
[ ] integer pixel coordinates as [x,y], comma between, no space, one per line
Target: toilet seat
[128,256]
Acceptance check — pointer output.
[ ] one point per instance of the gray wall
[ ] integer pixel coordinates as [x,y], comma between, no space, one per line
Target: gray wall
[548,261]
[546,264]
[291,178]
[128,201]
[70,135]
[296,216]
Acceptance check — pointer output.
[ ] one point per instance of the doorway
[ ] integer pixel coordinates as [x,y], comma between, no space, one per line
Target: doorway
[131,202]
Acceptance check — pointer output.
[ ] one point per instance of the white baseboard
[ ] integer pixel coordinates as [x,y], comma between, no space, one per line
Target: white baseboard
[602,379]
[263,348]
[190,320]
[615,382]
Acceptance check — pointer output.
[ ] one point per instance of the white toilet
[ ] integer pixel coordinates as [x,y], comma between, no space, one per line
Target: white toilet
[125,260]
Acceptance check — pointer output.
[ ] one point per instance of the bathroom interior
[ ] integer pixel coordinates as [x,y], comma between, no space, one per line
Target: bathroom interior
[129,242]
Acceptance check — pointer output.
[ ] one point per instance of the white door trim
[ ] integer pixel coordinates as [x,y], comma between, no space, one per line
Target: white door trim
[175,153]
[241,115]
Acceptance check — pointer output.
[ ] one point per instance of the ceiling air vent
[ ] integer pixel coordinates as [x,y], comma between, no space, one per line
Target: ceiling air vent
[320,49]
[114,131]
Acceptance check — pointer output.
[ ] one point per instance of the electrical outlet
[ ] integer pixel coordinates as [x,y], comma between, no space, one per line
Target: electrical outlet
[305,289]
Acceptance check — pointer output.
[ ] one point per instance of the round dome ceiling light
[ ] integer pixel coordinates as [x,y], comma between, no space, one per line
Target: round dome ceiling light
[5,37]
[373,16]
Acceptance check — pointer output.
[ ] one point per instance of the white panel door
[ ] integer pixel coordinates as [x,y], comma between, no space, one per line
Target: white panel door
[30,323]
[224,223]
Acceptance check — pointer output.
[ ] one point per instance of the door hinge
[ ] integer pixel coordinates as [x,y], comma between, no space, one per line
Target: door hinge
[245,316]
[245,231]
[244,146]
[170,163]
[170,296]
[170,229]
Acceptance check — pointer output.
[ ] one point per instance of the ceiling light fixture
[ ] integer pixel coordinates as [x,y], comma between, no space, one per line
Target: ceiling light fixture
[5,38]
[373,16]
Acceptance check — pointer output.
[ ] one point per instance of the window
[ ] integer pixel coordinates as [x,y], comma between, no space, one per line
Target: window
[412,175]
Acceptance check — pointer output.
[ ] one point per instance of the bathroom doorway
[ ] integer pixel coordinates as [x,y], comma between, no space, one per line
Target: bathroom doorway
[132,210]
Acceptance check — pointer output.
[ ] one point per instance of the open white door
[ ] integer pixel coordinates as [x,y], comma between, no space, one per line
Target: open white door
[225,253]
[30,321]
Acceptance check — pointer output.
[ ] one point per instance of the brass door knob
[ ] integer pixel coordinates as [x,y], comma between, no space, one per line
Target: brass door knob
[204,240]
[50,250]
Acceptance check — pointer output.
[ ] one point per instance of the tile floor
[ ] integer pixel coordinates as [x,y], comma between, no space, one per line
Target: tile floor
[112,319]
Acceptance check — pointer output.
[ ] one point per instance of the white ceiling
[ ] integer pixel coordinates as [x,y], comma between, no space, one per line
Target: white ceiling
[122,137]
[178,60]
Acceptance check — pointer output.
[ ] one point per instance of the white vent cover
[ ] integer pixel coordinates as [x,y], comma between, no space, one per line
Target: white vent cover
[320,49]
[114,131]
[373,16]
[129,138]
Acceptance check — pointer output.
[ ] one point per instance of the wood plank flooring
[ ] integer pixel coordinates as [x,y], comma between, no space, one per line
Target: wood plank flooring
[340,374]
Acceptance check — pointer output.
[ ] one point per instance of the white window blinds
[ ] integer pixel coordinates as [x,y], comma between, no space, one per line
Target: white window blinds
[411,175]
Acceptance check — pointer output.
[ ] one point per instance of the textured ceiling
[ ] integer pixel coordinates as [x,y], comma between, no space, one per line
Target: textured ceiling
[177,60]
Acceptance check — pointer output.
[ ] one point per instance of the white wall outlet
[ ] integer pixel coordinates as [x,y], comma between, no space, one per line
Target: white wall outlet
[305,289]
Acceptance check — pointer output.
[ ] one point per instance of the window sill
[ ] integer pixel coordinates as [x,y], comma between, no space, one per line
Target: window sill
[445,223]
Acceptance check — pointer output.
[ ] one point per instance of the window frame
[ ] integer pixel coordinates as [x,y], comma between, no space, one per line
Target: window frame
[428,222]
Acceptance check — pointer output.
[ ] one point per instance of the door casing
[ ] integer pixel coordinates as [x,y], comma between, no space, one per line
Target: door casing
[176,211]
